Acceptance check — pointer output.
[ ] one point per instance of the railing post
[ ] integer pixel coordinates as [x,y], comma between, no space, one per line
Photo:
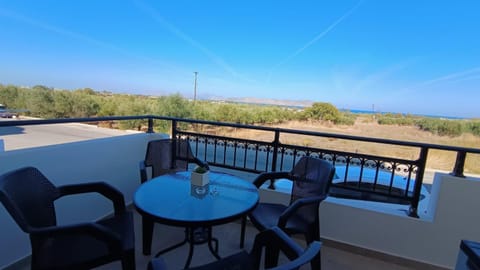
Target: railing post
[459,164]
[150,125]
[174,144]
[174,129]
[276,143]
[422,162]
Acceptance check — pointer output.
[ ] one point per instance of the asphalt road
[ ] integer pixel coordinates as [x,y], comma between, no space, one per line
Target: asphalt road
[19,137]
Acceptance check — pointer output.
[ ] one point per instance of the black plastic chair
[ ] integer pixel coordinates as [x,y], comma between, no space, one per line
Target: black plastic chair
[164,156]
[167,156]
[274,241]
[29,198]
[311,180]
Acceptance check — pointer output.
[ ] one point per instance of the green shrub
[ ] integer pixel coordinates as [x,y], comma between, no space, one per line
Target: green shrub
[396,119]
[322,111]
[473,127]
[442,127]
[346,119]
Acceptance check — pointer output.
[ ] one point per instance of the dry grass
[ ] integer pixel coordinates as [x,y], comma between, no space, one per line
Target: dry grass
[365,127]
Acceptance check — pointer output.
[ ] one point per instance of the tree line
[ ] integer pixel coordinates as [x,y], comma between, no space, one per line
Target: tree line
[438,126]
[46,102]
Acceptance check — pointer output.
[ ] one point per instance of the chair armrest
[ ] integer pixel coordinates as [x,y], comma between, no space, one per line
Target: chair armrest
[103,188]
[264,177]
[98,231]
[143,172]
[273,240]
[201,163]
[283,219]
[308,255]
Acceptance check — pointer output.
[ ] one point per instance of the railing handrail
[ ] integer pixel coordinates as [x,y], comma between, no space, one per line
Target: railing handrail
[326,134]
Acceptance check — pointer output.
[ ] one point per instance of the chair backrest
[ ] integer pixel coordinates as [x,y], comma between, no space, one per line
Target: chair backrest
[312,177]
[274,239]
[168,155]
[29,198]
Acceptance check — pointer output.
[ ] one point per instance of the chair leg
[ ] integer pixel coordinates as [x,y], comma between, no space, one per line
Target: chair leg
[215,241]
[271,256]
[316,263]
[128,261]
[242,233]
[147,235]
[311,236]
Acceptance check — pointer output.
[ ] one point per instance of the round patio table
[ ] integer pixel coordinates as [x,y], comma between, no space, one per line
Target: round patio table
[171,199]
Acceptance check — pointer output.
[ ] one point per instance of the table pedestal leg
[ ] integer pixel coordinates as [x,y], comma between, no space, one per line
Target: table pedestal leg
[191,237]
[171,247]
[210,240]
[147,234]
[196,236]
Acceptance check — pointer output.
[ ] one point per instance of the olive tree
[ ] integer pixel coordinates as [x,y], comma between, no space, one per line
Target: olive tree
[322,111]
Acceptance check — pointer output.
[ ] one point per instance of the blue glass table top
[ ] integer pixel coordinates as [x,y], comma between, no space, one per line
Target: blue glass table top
[171,199]
[471,250]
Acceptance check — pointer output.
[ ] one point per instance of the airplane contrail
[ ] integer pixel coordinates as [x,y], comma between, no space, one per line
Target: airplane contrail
[68,33]
[317,37]
[182,35]
[452,77]
[467,78]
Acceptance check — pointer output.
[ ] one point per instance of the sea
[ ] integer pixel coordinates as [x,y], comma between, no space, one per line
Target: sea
[379,112]
[405,114]
[300,107]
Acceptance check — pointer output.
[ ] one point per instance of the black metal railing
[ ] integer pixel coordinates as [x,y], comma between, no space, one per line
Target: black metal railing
[358,175]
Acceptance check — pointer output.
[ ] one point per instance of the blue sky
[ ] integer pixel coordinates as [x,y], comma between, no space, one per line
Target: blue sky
[403,56]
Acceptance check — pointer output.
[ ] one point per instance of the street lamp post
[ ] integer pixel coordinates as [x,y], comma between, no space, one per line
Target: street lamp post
[195,87]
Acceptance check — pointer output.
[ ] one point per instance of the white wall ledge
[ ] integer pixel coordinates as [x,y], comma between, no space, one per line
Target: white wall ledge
[450,215]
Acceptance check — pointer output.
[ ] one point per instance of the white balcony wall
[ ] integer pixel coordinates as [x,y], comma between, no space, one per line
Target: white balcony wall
[113,160]
[451,214]
[434,238]
[453,207]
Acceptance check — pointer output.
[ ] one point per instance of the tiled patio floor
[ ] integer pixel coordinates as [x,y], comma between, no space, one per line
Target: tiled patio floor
[229,235]
[334,256]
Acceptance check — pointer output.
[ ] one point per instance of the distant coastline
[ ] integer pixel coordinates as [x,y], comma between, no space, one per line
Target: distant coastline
[304,103]
[405,114]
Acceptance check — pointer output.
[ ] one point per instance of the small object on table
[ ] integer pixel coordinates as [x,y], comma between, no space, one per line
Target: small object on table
[199,176]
